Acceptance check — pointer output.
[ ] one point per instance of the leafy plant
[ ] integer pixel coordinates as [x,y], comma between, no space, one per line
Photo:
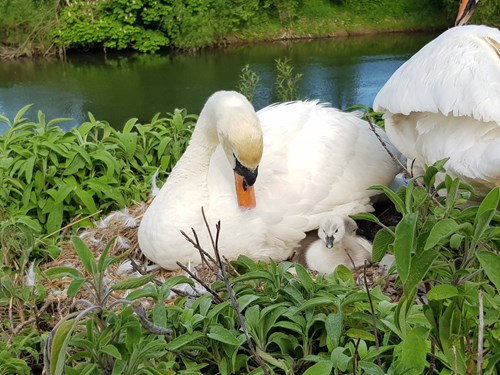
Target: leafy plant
[451,248]
[286,81]
[103,337]
[49,177]
[248,82]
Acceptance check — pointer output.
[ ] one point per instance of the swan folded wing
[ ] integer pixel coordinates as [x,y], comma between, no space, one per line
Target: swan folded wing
[477,158]
[457,73]
[333,157]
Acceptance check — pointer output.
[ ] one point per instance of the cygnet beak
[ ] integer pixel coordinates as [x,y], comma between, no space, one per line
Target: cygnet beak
[329,241]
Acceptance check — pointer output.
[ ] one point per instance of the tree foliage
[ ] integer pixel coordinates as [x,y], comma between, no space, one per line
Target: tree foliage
[147,25]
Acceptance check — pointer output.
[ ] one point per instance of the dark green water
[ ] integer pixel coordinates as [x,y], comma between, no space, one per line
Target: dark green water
[342,71]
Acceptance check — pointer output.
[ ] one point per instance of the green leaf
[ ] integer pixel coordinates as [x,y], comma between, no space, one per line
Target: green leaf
[398,202]
[129,141]
[87,200]
[404,244]
[442,291]
[322,367]
[222,334]
[246,300]
[339,359]
[85,255]
[111,350]
[55,217]
[19,116]
[183,340]
[316,301]
[133,282]
[366,216]
[58,272]
[59,345]
[254,275]
[129,125]
[360,334]
[75,286]
[34,225]
[420,265]
[487,210]
[456,241]
[383,238]
[431,171]
[491,265]
[442,230]
[489,202]
[304,277]
[28,168]
[482,222]
[294,327]
[334,325]
[271,360]
[370,368]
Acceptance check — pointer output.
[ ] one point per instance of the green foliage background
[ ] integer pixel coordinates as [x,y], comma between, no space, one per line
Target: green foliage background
[28,26]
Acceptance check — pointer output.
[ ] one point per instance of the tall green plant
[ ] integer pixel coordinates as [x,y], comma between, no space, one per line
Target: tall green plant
[449,243]
[286,81]
[51,176]
[248,82]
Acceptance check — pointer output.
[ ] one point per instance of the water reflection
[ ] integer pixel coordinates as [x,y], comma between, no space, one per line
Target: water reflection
[342,71]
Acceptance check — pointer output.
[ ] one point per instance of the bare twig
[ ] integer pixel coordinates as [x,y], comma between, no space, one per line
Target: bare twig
[432,362]
[382,142]
[157,330]
[204,255]
[480,336]
[374,316]
[150,326]
[355,357]
[397,161]
[217,299]
[230,291]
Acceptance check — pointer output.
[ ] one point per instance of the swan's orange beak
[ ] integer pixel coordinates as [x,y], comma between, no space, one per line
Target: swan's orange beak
[244,192]
[465,11]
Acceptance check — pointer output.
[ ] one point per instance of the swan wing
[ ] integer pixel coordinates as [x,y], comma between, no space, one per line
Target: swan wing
[457,73]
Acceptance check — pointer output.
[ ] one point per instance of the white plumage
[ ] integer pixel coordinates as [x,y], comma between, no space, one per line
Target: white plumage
[445,102]
[337,244]
[311,159]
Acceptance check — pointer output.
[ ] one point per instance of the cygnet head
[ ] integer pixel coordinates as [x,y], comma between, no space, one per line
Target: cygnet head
[333,228]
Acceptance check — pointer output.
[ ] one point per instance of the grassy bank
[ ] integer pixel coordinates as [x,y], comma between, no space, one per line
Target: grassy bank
[322,18]
[43,27]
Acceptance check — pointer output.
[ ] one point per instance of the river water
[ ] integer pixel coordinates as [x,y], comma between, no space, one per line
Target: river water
[116,87]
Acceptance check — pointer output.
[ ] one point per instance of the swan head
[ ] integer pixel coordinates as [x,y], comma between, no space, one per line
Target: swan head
[465,11]
[333,228]
[240,135]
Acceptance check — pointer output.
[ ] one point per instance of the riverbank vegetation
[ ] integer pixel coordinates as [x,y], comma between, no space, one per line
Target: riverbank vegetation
[67,303]
[42,27]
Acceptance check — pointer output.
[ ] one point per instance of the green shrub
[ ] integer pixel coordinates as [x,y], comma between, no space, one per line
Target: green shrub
[52,176]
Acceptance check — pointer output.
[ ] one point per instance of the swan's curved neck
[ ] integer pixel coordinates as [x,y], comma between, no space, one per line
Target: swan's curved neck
[202,145]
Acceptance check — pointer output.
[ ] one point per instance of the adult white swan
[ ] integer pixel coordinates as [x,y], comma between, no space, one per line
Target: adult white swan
[445,102]
[309,158]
